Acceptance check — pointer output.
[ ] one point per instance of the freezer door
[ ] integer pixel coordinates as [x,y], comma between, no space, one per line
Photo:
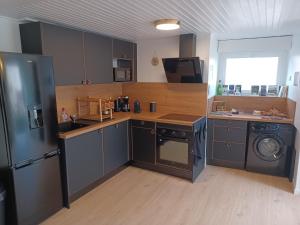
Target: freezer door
[28,93]
[38,191]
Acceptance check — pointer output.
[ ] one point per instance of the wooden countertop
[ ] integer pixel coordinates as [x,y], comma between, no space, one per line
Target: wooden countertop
[124,116]
[250,117]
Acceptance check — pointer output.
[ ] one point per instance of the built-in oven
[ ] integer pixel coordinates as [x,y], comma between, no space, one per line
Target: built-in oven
[174,146]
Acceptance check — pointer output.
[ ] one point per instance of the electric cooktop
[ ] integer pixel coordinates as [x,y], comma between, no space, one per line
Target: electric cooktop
[181,117]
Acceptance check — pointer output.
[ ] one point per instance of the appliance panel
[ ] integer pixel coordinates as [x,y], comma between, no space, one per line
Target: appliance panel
[30,108]
[174,151]
[38,190]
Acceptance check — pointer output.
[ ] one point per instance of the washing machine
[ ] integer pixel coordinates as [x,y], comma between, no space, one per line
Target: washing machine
[270,148]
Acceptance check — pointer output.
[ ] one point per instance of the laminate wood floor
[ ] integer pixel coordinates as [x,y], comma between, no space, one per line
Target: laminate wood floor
[220,196]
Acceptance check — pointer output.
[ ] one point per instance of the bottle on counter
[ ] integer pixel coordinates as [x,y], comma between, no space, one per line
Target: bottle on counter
[64,117]
[219,89]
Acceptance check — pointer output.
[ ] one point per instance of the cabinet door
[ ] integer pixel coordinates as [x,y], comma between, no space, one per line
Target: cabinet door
[98,58]
[84,160]
[66,47]
[134,76]
[115,146]
[226,143]
[229,154]
[122,49]
[143,144]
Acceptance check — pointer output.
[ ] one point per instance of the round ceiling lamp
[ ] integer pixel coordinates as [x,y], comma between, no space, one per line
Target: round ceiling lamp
[167,24]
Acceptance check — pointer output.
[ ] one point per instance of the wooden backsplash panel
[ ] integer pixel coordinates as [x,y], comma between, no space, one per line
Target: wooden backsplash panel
[170,97]
[66,95]
[250,103]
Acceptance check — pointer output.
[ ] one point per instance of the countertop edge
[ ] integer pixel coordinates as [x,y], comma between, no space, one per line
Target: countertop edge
[250,119]
[97,126]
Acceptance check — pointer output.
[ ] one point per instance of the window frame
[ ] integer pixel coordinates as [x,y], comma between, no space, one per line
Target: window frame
[282,63]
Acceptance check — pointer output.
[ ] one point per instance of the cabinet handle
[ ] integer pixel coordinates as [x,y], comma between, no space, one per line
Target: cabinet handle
[228,146]
[101,131]
[152,131]
[117,125]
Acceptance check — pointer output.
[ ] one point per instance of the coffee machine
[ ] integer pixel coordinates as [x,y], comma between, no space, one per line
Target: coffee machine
[122,104]
[125,104]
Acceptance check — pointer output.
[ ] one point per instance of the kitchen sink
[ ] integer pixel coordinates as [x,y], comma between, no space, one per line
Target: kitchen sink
[70,125]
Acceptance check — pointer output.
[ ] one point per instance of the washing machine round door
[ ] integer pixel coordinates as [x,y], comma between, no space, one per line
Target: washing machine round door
[269,148]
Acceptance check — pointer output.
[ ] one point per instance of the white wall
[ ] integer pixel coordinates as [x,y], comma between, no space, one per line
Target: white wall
[166,47]
[202,50]
[213,66]
[294,94]
[9,35]
[259,47]
[147,49]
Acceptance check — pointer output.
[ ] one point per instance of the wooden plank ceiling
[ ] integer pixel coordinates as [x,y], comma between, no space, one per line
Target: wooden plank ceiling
[131,19]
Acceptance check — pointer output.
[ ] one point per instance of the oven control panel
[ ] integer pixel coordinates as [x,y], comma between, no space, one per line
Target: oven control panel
[174,133]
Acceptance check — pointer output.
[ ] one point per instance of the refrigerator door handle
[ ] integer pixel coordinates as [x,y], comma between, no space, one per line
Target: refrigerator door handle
[24,164]
[51,154]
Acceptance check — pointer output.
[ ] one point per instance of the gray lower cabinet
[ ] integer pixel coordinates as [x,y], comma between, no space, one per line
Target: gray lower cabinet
[143,141]
[84,161]
[115,146]
[98,58]
[226,143]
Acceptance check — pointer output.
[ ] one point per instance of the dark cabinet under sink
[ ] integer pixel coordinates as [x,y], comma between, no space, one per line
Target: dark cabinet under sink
[83,163]
[91,158]
[115,146]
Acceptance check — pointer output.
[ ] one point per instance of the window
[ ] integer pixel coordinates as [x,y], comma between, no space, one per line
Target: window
[250,71]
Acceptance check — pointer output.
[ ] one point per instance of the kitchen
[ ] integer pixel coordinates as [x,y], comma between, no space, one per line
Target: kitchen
[117,167]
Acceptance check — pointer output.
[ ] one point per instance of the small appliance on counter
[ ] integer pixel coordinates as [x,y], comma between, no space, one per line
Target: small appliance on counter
[136,106]
[125,104]
[118,104]
[152,106]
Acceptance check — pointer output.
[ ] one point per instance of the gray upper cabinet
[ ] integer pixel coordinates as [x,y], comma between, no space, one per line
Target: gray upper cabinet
[123,49]
[134,72]
[78,57]
[65,45]
[98,58]
[83,160]
[115,146]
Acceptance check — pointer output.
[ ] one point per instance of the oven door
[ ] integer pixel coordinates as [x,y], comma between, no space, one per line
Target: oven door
[174,152]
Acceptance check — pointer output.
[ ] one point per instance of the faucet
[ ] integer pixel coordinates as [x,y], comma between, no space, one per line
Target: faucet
[73,118]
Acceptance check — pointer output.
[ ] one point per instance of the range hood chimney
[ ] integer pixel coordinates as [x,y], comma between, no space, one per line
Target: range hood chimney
[187,45]
[187,68]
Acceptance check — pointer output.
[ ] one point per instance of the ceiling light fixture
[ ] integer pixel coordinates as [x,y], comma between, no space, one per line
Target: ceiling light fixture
[167,24]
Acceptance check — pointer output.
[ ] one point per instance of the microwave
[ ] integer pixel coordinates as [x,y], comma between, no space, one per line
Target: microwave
[122,69]
[122,74]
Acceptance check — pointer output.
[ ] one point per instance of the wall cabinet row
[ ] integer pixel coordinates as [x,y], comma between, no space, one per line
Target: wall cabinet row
[78,57]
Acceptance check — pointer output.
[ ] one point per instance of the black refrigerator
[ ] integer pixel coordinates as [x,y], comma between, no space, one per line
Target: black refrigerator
[29,154]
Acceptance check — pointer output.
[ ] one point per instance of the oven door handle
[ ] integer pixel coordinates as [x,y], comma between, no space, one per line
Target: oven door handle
[162,139]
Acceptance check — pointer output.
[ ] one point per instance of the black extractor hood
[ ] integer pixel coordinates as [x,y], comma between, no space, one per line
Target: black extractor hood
[186,68]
